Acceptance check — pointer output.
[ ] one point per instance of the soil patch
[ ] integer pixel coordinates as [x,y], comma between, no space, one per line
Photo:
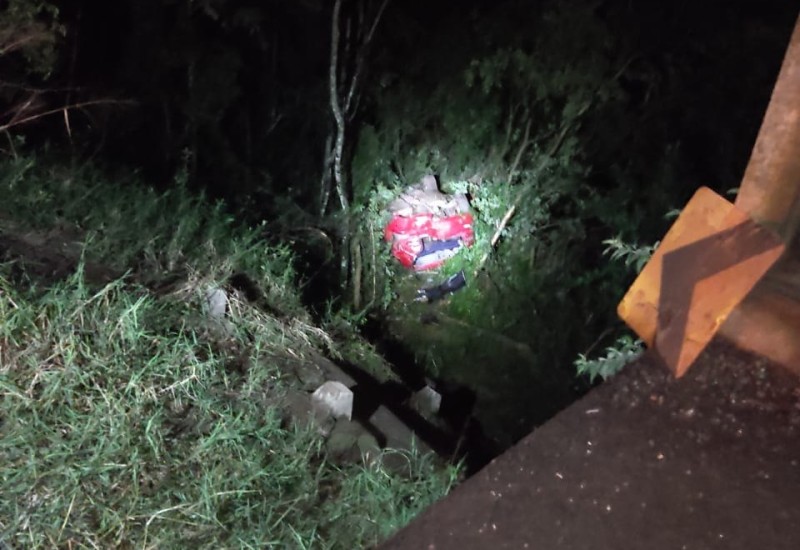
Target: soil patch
[48,255]
[645,461]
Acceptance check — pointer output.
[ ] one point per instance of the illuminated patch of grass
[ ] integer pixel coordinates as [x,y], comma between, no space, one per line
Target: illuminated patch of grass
[129,419]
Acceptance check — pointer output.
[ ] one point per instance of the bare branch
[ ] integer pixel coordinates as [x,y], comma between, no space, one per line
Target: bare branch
[325,181]
[375,22]
[20,109]
[361,57]
[524,145]
[66,122]
[24,41]
[35,89]
[509,127]
[556,145]
[84,104]
[11,144]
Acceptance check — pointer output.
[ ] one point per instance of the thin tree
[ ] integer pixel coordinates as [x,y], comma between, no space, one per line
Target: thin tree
[349,52]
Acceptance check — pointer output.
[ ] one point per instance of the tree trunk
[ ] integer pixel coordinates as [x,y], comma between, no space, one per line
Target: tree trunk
[344,87]
[336,109]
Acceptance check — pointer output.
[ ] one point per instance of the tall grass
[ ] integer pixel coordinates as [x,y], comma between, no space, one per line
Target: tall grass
[128,419]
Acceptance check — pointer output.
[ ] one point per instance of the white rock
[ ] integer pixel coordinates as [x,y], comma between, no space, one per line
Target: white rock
[334,399]
[216,303]
[426,401]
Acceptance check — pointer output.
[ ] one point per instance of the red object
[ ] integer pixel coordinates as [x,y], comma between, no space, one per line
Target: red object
[406,233]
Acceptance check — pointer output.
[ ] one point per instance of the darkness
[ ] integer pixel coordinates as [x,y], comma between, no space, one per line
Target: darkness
[253,62]
[232,98]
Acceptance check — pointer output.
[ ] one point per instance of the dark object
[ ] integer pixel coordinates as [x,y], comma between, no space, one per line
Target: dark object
[452,284]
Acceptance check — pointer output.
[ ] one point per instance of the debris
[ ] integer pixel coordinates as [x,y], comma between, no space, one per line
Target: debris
[452,284]
[435,253]
[427,226]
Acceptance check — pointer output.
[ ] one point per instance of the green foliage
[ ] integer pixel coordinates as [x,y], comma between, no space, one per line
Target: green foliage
[631,255]
[131,226]
[624,350]
[503,124]
[123,426]
[130,419]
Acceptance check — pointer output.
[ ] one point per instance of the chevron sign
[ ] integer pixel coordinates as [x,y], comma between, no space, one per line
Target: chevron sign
[706,264]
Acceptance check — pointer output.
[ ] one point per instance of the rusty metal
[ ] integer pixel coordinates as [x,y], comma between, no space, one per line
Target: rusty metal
[716,253]
[768,321]
[770,189]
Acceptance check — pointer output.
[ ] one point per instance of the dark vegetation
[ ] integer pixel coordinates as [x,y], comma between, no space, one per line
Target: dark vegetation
[568,123]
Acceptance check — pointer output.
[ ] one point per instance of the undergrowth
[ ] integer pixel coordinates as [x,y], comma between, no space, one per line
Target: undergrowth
[130,419]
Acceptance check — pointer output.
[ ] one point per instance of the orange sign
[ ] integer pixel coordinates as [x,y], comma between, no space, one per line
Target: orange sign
[707,263]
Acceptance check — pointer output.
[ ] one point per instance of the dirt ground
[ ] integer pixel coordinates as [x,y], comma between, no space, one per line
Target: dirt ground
[643,462]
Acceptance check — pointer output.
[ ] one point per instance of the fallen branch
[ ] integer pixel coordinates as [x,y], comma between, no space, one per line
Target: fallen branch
[63,109]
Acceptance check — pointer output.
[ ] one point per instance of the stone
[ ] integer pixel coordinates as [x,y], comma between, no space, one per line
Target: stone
[426,401]
[342,440]
[349,441]
[301,412]
[368,447]
[397,434]
[308,374]
[333,399]
[216,303]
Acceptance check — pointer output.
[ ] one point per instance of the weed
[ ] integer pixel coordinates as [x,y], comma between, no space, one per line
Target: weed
[624,350]
[131,419]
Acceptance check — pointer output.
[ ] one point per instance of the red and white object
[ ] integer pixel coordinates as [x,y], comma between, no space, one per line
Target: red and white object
[408,234]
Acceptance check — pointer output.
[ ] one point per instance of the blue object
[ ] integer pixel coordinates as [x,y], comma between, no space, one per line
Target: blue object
[435,252]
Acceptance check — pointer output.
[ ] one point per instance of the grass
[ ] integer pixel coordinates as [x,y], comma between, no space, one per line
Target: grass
[128,419]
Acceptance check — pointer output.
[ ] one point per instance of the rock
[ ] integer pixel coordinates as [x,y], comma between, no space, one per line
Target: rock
[426,401]
[297,406]
[398,435]
[368,447]
[308,374]
[216,303]
[399,441]
[301,411]
[343,438]
[349,441]
[333,399]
